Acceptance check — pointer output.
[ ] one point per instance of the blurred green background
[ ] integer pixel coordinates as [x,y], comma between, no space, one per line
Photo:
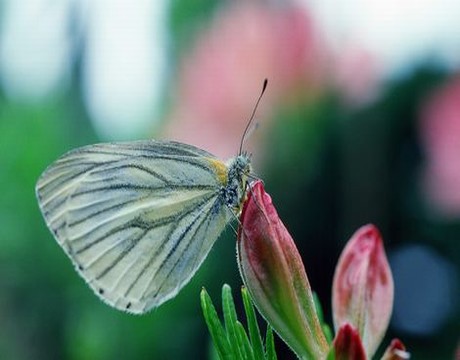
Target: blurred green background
[347,136]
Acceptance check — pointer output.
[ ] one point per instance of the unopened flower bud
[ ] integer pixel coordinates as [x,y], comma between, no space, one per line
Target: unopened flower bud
[362,292]
[273,272]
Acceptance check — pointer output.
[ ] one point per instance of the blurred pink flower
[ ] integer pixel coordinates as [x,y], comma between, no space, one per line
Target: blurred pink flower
[440,136]
[356,73]
[362,290]
[221,78]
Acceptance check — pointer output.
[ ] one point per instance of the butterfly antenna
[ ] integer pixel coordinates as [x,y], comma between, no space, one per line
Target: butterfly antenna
[264,86]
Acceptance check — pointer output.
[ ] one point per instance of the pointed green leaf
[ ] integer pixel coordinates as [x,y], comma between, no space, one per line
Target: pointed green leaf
[270,344]
[212,353]
[244,341]
[230,319]
[216,329]
[253,327]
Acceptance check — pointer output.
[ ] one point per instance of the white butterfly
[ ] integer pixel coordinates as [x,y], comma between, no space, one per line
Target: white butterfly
[137,219]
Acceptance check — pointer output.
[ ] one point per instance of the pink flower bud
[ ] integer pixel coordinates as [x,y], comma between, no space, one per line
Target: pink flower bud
[396,351]
[348,345]
[362,292]
[273,272]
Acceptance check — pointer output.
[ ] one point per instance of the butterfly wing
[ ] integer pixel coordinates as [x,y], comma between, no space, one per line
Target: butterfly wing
[137,219]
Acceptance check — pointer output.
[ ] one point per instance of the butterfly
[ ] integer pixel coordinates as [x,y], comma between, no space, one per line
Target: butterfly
[138,218]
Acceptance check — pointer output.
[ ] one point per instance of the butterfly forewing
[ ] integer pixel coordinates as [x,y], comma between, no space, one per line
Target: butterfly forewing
[137,219]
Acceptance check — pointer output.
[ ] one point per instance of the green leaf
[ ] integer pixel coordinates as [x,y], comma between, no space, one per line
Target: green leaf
[231,341]
[254,332]
[230,319]
[216,329]
[270,344]
[244,341]
[212,351]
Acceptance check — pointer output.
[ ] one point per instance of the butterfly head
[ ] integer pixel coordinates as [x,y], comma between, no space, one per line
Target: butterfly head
[234,192]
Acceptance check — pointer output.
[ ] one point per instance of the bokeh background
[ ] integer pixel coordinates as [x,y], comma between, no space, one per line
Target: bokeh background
[360,123]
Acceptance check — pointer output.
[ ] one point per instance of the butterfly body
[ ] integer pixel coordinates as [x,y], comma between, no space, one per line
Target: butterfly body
[137,219]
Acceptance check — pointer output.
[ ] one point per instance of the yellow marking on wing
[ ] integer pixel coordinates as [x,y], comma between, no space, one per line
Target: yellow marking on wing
[221,170]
